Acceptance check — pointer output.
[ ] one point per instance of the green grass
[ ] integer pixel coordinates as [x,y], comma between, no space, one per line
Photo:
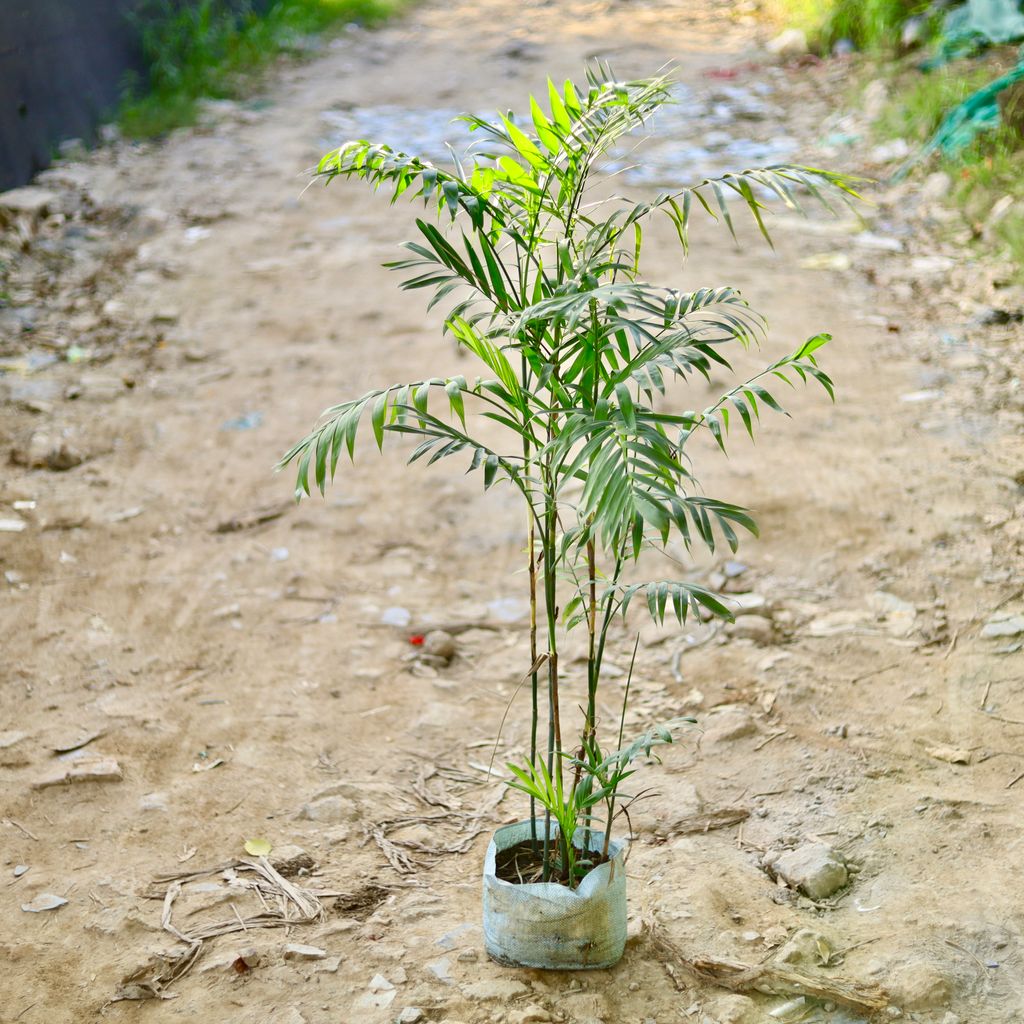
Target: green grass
[986,170]
[215,49]
[872,25]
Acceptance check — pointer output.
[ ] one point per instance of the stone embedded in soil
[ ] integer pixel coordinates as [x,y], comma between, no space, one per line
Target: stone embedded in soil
[806,947]
[815,869]
[733,1009]
[439,644]
[758,628]
[329,809]
[1003,625]
[532,1014]
[919,986]
[729,723]
[378,983]
[410,1015]
[495,989]
[297,951]
[29,201]
[95,768]
[585,1006]
[44,901]
[290,859]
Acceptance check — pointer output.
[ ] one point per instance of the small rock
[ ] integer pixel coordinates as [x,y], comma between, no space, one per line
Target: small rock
[815,869]
[329,966]
[47,452]
[297,951]
[396,616]
[874,99]
[729,723]
[439,644]
[753,627]
[734,1009]
[951,755]
[936,186]
[227,611]
[532,1014]
[246,959]
[12,525]
[410,1015]
[329,809]
[441,969]
[10,738]
[919,986]
[20,869]
[747,604]
[806,947]
[290,859]
[378,983]
[790,43]
[890,152]
[503,989]
[153,802]
[91,768]
[29,201]
[1003,625]
[44,901]
[775,936]
[898,615]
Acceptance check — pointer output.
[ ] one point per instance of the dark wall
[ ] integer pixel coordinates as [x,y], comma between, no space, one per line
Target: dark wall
[62,64]
[62,68]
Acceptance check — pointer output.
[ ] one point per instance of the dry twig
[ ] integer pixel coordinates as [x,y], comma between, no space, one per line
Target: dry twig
[770,978]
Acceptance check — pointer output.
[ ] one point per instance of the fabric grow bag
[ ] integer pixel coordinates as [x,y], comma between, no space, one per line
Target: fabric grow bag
[549,926]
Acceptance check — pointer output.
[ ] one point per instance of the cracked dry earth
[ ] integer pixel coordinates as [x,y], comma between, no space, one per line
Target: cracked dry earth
[226,657]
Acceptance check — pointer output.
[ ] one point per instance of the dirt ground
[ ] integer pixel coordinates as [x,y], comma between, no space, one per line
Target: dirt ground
[167,604]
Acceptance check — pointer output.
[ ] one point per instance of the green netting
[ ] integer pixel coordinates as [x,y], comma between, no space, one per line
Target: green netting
[976,24]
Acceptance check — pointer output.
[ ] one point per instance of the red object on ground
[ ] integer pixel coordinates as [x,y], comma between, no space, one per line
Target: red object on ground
[416,639]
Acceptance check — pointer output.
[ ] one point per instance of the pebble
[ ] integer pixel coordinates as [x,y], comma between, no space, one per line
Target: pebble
[734,1009]
[20,869]
[441,969]
[30,200]
[532,1014]
[297,951]
[890,152]
[1003,625]
[291,859]
[439,644]
[396,616]
[806,947]
[730,723]
[329,809]
[44,901]
[758,628]
[495,989]
[91,768]
[380,984]
[814,868]
[790,43]
[410,1015]
[874,99]
[936,186]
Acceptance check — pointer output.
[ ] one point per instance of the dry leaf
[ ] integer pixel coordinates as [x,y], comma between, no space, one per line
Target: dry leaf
[258,847]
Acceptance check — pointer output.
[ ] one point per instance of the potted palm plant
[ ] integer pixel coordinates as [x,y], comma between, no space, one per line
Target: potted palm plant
[577,353]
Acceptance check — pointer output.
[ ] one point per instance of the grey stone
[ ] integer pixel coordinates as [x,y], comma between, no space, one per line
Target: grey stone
[329,809]
[30,200]
[439,644]
[753,627]
[815,869]
[805,947]
[297,951]
[734,1009]
[790,43]
[410,1015]
[1003,625]
[920,986]
[728,723]
[495,989]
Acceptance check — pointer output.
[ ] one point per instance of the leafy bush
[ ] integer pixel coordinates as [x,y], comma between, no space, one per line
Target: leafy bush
[869,24]
[211,48]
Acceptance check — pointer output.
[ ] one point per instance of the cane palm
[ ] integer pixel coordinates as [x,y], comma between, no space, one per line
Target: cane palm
[543,287]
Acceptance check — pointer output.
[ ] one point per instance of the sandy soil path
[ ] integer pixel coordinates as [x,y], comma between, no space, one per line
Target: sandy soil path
[240,671]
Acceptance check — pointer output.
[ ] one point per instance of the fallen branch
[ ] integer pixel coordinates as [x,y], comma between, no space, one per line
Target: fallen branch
[769,978]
